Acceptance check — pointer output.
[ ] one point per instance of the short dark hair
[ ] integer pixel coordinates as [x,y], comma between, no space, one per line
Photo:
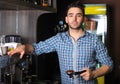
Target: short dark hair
[76,4]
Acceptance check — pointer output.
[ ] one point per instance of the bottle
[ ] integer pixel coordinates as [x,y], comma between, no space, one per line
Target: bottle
[46,2]
[33,1]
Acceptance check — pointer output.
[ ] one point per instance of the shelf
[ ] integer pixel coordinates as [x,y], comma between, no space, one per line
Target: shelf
[21,5]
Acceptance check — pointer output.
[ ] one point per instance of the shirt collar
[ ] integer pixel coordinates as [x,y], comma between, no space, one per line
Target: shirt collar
[85,33]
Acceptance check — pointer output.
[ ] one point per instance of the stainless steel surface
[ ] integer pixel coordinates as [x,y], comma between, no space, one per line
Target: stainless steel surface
[23,23]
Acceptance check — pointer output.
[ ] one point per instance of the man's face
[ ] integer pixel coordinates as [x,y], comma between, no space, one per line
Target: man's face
[74,18]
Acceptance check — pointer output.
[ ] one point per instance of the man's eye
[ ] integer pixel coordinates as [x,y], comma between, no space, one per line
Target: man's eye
[79,15]
[70,15]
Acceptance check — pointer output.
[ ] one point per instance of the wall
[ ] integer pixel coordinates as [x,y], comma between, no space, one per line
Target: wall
[20,22]
[117,42]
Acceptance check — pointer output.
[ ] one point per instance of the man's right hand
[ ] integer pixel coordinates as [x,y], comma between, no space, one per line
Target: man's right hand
[19,49]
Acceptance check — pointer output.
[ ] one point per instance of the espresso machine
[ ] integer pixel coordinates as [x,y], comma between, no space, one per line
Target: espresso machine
[17,71]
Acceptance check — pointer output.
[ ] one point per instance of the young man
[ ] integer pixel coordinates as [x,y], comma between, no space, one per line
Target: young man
[77,50]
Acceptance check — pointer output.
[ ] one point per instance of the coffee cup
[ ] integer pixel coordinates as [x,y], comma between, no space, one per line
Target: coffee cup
[4,50]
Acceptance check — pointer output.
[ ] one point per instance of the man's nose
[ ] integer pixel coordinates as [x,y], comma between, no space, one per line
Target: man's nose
[75,18]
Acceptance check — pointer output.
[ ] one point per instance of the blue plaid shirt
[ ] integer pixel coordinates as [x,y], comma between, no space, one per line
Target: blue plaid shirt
[75,56]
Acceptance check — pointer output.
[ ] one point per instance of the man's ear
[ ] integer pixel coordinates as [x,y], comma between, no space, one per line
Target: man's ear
[66,20]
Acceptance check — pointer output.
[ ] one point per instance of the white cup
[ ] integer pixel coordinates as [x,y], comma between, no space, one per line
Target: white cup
[4,50]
